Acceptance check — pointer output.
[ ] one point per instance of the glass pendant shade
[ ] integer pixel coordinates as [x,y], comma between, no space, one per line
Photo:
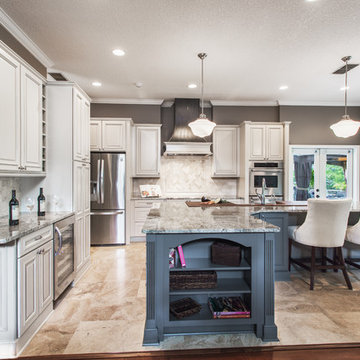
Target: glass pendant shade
[202,126]
[345,127]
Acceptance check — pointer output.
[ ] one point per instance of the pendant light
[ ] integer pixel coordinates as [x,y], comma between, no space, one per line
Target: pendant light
[202,126]
[346,127]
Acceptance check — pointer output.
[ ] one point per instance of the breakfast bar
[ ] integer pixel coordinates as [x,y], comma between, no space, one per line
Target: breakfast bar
[196,230]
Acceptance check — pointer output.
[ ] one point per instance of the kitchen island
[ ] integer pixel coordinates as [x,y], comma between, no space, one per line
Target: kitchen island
[196,229]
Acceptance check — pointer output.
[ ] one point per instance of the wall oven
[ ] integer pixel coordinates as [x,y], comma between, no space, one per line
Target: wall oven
[64,265]
[272,172]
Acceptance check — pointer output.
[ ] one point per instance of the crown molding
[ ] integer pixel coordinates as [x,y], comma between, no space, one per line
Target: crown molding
[243,103]
[127,101]
[317,103]
[10,25]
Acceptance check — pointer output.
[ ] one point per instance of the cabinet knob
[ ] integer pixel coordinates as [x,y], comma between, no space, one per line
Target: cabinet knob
[317,196]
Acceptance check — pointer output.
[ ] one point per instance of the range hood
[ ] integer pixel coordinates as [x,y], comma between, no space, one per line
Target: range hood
[182,140]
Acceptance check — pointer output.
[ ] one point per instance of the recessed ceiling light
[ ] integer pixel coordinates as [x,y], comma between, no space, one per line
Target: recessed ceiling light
[192,86]
[118,52]
[283,87]
[96,83]
[139,84]
[310,0]
[345,88]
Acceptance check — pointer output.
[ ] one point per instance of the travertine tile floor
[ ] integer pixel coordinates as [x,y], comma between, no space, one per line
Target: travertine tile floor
[105,311]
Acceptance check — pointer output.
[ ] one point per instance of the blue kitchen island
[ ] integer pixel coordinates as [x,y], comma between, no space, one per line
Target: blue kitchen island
[196,229]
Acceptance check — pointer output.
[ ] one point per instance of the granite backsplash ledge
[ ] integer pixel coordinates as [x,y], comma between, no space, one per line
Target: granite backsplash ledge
[188,177]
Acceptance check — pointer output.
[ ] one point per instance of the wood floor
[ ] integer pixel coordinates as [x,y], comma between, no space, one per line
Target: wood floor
[297,352]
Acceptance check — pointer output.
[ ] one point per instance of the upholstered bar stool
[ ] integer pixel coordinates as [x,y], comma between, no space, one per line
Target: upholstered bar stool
[353,236]
[324,227]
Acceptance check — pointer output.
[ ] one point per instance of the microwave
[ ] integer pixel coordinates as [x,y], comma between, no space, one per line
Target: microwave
[272,172]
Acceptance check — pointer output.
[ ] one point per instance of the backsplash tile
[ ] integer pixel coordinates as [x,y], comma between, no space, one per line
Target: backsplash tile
[6,185]
[189,176]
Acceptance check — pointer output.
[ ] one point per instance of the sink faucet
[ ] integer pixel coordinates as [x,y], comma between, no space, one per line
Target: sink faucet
[262,195]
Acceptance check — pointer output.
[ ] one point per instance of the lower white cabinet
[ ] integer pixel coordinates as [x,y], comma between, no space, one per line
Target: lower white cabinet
[35,284]
[82,241]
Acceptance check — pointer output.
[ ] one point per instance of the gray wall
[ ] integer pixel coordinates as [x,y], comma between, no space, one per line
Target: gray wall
[141,114]
[232,115]
[311,124]
[12,43]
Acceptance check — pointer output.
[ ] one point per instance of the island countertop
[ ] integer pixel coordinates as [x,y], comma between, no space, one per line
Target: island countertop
[28,223]
[175,217]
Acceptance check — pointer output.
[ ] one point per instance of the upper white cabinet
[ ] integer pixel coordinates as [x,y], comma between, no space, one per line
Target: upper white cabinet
[226,151]
[81,129]
[23,121]
[107,135]
[266,142]
[147,150]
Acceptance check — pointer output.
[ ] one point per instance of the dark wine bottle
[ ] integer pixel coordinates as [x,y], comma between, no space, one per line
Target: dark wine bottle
[13,210]
[41,203]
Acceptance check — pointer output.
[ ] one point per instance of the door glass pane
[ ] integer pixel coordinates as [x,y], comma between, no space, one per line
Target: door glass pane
[303,177]
[336,176]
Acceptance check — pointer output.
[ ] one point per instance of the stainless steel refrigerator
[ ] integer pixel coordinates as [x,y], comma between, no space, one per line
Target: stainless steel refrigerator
[107,198]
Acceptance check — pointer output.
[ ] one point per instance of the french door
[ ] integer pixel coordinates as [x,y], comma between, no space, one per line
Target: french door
[321,173]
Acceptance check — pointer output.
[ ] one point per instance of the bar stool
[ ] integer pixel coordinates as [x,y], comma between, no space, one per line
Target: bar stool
[353,236]
[324,227]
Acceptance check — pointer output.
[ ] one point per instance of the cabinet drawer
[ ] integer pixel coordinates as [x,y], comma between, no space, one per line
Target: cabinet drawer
[141,214]
[146,203]
[32,241]
[137,229]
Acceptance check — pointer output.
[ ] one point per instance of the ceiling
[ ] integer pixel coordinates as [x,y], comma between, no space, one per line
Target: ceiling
[253,46]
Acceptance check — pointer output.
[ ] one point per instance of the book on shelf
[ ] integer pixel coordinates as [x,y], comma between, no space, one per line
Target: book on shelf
[181,256]
[172,258]
[228,307]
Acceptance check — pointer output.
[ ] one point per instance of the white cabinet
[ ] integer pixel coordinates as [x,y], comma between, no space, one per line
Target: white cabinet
[147,150]
[81,126]
[35,281]
[266,142]
[82,213]
[226,148]
[108,135]
[10,112]
[21,127]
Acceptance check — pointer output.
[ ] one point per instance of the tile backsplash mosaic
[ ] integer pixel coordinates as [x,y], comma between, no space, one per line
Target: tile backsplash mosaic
[6,185]
[189,176]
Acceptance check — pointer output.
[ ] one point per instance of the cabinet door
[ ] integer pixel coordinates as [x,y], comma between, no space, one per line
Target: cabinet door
[275,142]
[95,135]
[78,191]
[113,135]
[79,243]
[86,236]
[10,112]
[77,125]
[45,275]
[85,187]
[28,285]
[225,151]
[147,151]
[31,121]
[86,131]
[257,142]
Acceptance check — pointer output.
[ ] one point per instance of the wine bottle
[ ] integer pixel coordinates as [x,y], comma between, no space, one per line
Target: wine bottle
[41,203]
[13,210]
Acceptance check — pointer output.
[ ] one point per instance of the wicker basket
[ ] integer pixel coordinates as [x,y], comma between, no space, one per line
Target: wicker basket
[180,280]
[184,307]
[225,254]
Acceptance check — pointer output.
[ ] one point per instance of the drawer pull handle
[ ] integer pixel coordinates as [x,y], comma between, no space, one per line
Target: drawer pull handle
[38,237]
[41,251]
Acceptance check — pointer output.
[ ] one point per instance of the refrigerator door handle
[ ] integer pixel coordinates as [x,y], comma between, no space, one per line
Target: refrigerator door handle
[115,212]
[102,182]
[98,198]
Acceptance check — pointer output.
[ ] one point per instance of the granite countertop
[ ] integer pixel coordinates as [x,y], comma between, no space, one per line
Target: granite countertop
[175,217]
[28,223]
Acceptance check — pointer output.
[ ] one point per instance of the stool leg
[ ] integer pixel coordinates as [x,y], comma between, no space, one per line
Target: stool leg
[289,251]
[335,260]
[312,269]
[323,260]
[343,268]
